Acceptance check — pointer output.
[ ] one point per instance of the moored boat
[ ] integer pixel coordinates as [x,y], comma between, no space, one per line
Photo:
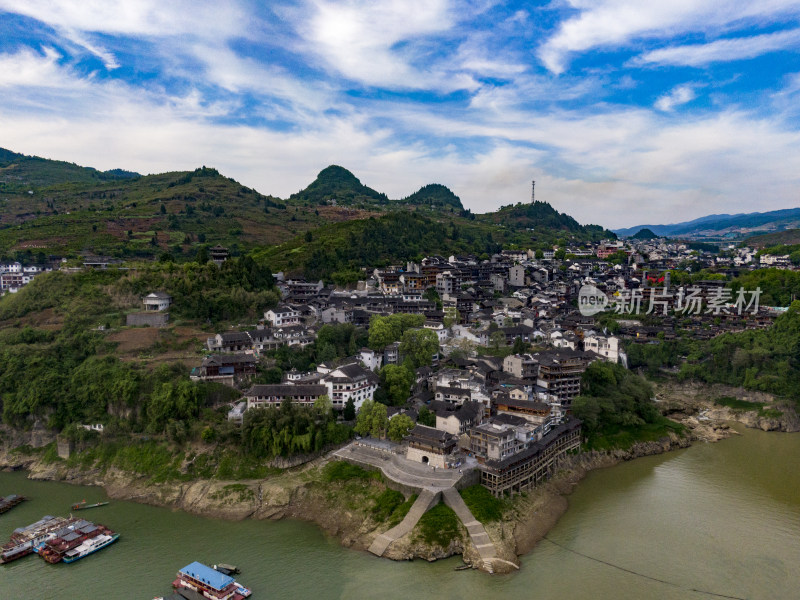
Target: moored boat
[25,540]
[210,583]
[83,506]
[69,538]
[90,546]
[10,502]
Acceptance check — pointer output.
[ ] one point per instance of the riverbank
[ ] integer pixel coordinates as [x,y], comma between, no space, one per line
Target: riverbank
[357,509]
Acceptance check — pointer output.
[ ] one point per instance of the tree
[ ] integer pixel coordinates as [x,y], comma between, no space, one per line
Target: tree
[539,254]
[497,339]
[349,412]
[419,346]
[560,254]
[202,255]
[519,345]
[364,418]
[163,209]
[379,421]
[426,417]
[399,427]
[309,237]
[323,406]
[396,381]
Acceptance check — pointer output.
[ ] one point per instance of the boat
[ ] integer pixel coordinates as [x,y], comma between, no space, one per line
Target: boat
[82,505]
[25,540]
[226,569]
[90,546]
[69,538]
[209,583]
[10,502]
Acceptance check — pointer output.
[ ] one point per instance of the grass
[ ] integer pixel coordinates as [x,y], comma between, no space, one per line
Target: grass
[484,507]
[401,511]
[340,470]
[439,526]
[237,492]
[626,436]
[386,503]
[738,405]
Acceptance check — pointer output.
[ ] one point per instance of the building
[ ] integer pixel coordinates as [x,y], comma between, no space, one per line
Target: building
[218,254]
[605,346]
[521,471]
[521,366]
[457,420]
[282,316]
[431,446]
[530,410]
[157,301]
[560,375]
[350,381]
[260,396]
[225,367]
[234,341]
[496,441]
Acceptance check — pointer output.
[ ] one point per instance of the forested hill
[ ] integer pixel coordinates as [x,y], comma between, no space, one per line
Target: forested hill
[540,215]
[340,251]
[434,195]
[60,209]
[19,172]
[337,185]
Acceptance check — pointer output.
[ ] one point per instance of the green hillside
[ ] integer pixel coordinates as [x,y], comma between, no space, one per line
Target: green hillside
[787,237]
[541,217]
[645,234]
[337,185]
[434,195]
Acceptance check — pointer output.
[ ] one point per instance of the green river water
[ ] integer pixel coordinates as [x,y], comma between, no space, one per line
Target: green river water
[722,518]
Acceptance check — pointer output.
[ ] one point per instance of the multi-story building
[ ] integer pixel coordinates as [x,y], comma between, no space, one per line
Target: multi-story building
[521,366]
[260,396]
[282,316]
[560,375]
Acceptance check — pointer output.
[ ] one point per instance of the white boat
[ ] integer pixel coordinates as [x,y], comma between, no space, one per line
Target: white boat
[90,546]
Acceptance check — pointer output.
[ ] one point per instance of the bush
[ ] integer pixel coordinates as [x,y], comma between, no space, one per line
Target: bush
[484,507]
[339,470]
[439,526]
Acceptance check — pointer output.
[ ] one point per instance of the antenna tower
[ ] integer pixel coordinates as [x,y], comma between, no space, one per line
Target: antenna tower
[533,191]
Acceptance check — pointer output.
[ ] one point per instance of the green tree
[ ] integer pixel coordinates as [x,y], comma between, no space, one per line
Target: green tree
[519,346]
[418,347]
[426,417]
[202,255]
[324,406]
[379,421]
[399,426]
[396,381]
[497,339]
[364,418]
[349,412]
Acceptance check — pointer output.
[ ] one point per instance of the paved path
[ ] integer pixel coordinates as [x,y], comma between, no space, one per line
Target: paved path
[399,469]
[424,501]
[480,539]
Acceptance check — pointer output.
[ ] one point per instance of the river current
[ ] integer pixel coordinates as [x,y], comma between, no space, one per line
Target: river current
[712,521]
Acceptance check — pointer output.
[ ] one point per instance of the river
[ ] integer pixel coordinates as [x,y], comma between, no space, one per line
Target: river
[720,518]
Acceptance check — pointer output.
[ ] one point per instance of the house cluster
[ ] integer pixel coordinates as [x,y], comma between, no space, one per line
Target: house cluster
[14,275]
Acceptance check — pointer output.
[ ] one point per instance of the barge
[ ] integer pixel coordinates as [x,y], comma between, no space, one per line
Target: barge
[210,583]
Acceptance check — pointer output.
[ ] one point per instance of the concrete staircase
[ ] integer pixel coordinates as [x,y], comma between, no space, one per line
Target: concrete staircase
[424,501]
[480,539]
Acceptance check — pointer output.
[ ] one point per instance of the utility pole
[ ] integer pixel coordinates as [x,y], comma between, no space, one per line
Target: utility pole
[533,191]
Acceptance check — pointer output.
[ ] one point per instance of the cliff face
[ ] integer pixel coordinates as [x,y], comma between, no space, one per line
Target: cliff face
[693,405]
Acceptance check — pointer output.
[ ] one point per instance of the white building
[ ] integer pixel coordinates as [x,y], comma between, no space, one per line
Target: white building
[605,346]
[282,316]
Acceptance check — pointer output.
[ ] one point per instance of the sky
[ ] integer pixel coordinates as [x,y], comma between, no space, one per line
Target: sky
[624,112]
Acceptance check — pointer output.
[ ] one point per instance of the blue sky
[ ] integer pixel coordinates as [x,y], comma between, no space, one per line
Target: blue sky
[623,111]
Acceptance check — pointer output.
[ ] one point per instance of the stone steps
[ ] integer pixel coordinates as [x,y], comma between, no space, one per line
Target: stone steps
[480,539]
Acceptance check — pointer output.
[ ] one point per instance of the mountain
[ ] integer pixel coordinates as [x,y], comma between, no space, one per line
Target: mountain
[787,237]
[434,195]
[644,234]
[541,217]
[724,225]
[337,185]
[63,209]
[19,172]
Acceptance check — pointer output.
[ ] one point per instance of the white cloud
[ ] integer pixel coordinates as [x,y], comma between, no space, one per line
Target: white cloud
[142,17]
[677,96]
[616,23]
[696,55]
[376,43]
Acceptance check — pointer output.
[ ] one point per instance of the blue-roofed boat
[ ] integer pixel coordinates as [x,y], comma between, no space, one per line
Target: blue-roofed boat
[210,583]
